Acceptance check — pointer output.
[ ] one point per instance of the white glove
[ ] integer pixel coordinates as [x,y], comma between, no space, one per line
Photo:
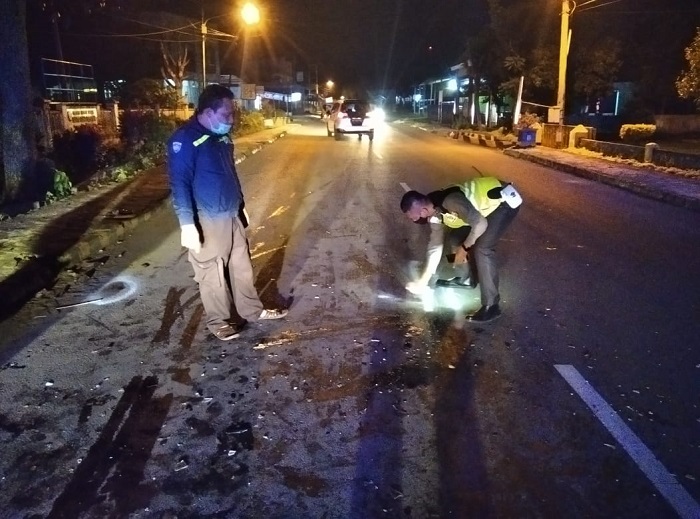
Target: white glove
[189,237]
[417,287]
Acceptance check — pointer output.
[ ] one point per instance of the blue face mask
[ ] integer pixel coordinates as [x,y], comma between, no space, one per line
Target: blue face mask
[220,128]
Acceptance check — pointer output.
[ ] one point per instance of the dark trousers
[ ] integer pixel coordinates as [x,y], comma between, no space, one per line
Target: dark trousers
[482,265]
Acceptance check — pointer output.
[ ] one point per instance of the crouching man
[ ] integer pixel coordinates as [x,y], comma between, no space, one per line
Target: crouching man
[466,221]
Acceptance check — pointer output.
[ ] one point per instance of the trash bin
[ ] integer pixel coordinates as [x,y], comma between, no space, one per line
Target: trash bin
[526,137]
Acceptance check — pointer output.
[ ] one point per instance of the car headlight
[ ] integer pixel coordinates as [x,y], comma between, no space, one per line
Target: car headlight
[377,114]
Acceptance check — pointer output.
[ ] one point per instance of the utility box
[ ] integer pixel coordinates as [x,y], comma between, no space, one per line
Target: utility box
[527,137]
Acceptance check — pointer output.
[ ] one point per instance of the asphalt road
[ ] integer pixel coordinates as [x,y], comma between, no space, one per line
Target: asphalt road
[363,404]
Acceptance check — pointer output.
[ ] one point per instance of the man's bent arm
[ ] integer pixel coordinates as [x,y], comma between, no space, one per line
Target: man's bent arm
[434,252]
[459,204]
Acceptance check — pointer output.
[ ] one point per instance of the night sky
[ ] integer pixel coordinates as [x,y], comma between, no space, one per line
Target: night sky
[374,43]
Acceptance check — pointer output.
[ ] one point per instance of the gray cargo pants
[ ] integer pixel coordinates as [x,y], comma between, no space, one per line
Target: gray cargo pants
[224,272]
[484,252]
[482,266]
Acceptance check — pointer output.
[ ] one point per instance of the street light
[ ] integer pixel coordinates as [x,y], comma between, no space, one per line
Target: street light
[250,15]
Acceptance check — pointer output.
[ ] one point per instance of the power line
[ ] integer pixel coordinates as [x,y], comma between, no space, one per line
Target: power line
[164,30]
[598,5]
[636,11]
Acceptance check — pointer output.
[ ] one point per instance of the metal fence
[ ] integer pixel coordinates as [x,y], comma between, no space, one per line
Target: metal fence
[53,119]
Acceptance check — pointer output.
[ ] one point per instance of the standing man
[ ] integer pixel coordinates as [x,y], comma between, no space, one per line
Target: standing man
[467,220]
[207,199]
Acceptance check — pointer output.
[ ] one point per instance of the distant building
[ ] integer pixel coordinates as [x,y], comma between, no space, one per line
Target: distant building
[68,82]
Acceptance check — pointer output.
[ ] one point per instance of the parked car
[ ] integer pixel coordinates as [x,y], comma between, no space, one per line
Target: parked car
[351,116]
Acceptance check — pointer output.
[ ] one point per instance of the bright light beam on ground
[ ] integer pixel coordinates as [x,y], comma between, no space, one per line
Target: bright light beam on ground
[116,290]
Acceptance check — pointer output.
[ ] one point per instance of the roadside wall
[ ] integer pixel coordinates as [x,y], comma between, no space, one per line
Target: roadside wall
[613,149]
[677,124]
[549,134]
[55,118]
[675,159]
[658,158]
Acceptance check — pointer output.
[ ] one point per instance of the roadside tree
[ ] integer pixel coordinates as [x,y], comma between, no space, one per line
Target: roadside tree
[148,93]
[174,67]
[522,41]
[482,61]
[688,83]
[595,69]
[17,134]
[506,49]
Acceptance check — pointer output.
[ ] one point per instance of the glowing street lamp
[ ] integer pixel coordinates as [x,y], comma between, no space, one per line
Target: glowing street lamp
[250,15]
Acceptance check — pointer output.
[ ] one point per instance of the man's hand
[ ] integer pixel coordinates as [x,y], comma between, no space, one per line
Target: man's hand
[189,237]
[417,287]
[461,255]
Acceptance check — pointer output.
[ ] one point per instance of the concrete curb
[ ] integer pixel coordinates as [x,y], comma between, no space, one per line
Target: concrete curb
[38,273]
[647,190]
[98,240]
[652,192]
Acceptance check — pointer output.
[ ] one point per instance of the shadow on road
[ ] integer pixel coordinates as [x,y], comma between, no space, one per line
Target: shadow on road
[54,240]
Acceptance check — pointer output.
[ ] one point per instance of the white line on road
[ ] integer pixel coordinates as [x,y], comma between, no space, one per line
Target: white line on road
[664,482]
[405,186]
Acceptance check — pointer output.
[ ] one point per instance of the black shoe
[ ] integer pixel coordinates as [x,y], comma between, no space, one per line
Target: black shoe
[454,282]
[485,314]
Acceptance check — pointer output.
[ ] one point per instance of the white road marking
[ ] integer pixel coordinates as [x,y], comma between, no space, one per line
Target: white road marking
[264,253]
[405,186]
[665,483]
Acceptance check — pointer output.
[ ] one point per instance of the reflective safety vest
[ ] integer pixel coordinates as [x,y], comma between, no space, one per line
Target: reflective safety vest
[476,191]
[451,220]
[204,138]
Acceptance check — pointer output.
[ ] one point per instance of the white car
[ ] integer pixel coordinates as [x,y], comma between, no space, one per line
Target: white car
[351,116]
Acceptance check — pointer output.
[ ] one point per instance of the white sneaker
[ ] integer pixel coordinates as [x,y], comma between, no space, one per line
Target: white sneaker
[268,314]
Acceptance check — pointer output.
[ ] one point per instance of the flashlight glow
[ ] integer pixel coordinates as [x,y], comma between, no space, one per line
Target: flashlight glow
[116,290]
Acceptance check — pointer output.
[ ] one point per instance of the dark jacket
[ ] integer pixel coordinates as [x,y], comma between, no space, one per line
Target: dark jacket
[202,174]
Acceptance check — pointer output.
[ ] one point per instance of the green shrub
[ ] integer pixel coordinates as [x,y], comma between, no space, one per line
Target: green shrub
[249,122]
[145,132]
[637,133]
[78,151]
[268,109]
[527,120]
[62,187]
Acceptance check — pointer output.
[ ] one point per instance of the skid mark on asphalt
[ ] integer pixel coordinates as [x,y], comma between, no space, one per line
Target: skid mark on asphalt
[173,309]
[113,469]
[681,501]
[190,331]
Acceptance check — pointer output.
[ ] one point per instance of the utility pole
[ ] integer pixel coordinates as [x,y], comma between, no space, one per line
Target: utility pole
[316,68]
[204,54]
[563,53]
